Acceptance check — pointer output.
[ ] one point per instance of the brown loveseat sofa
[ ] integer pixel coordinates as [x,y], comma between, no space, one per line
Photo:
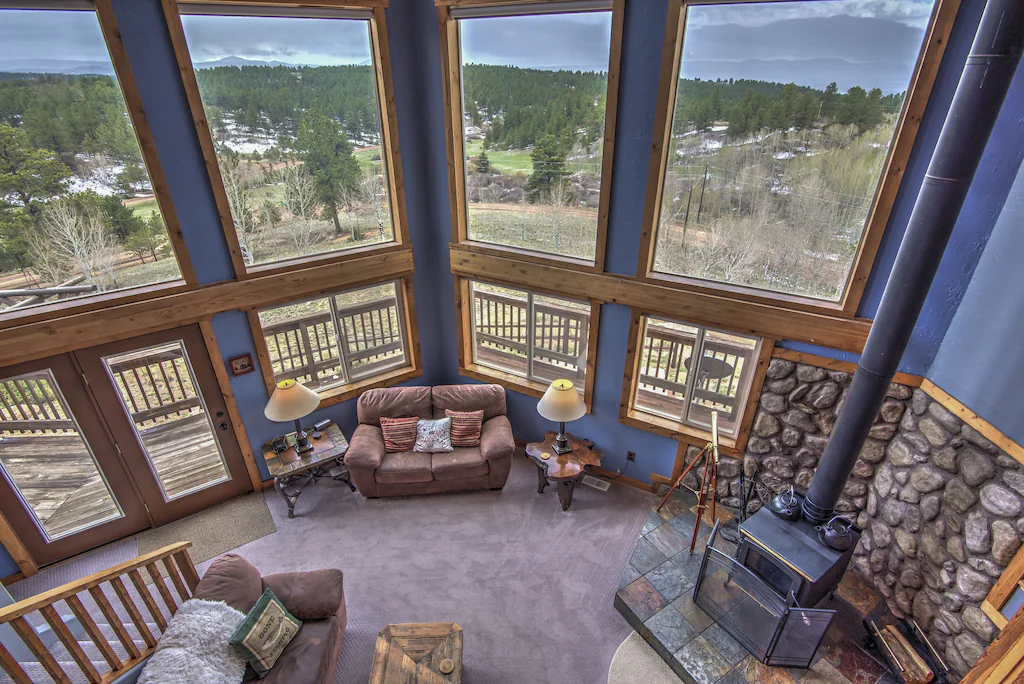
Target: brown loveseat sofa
[376,473]
[317,598]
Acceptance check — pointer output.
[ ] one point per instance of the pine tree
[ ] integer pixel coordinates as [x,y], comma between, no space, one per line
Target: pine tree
[328,157]
[483,164]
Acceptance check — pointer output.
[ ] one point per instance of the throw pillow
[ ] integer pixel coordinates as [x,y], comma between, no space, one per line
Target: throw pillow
[434,436]
[265,632]
[399,433]
[466,427]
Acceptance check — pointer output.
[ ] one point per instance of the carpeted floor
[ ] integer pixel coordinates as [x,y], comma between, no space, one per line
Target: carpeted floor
[532,587]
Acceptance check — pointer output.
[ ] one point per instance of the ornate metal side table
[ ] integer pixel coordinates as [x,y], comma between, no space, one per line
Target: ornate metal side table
[294,472]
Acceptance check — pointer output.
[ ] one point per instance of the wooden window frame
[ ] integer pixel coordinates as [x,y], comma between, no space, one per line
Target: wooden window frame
[390,151]
[1012,577]
[451,63]
[140,127]
[918,93]
[677,430]
[470,369]
[413,368]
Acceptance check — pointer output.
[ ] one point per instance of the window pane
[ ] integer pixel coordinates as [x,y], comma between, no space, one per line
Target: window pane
[554,347]
[785,114]
[661,387]
[302,338]
[534,127]
[293,109]
[47,461]
[721,381]
[302,343]
[560,339]
[371,319]
[500,327]
[77,211]
[160,395]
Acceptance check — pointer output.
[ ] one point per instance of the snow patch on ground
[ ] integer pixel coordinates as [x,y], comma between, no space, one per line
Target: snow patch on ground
[102,180]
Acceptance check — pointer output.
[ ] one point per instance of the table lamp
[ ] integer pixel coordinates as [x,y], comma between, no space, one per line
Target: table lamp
[561,402]
[293,401]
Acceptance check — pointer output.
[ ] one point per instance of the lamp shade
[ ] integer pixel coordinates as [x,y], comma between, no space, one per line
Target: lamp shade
[291,401]
[561,402]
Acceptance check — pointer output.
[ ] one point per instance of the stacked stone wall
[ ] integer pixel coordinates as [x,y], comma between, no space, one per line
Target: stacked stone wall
[941,506]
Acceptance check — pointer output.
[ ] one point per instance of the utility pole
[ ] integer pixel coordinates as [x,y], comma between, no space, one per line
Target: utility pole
[704,182]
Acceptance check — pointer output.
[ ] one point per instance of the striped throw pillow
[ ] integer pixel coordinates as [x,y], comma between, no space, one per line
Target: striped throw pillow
[399,433]
[466,426]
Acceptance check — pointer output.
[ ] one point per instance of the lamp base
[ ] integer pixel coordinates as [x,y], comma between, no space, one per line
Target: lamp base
[302,443]
[561,441]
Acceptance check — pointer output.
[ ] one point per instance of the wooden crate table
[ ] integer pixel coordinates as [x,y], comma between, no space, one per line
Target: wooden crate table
[565,470]
[418,653]
[294,472]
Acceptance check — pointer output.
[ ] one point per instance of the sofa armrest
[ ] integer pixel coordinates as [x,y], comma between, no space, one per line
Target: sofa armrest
[497,446]
[313,595]
[366,450]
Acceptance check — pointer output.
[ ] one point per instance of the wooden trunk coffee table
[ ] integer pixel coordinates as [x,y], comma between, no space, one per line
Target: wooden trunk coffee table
[565,470]
[418,653]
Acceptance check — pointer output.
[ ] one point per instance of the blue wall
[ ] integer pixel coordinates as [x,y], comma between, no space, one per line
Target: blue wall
[981,360]
[416,67]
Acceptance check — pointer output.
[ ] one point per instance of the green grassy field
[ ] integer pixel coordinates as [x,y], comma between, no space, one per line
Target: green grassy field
[506,161]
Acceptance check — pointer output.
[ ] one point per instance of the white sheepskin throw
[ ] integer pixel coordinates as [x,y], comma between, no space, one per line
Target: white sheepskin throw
[195,648]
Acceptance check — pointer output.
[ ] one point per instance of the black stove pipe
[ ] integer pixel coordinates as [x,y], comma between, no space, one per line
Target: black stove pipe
[983,85]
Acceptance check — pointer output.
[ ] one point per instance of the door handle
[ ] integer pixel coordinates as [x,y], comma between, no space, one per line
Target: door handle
[223,426]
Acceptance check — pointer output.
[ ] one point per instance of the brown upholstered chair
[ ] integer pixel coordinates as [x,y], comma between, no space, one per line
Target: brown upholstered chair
[376,473]
[317,598]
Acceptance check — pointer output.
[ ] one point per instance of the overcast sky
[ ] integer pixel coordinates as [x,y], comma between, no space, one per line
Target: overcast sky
[855,42]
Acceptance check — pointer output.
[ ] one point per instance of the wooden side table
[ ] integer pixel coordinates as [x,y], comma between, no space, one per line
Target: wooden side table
[294,472]
[418,653]
[565,470]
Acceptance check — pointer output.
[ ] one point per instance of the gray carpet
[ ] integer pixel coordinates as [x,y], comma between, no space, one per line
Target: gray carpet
[531,586]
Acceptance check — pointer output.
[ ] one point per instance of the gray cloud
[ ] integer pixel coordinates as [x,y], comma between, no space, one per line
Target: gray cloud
[571,41]
[31,34]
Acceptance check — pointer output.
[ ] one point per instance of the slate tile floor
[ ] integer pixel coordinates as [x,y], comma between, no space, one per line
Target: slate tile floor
[656,598]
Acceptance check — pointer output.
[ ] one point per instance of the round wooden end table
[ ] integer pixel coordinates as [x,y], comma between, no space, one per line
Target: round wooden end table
[565,470]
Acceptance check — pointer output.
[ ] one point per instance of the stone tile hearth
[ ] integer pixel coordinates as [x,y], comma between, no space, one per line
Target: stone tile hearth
[656,598]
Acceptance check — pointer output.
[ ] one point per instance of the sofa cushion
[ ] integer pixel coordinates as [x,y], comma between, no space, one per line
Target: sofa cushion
[265,632]
[399,433]
[310,595]
[404,467]
[490,398]
[466,426]
[393,402]
[233,580]
[309,657]
[461,463]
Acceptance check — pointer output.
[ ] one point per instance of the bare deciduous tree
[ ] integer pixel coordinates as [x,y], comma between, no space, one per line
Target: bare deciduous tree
[300,200]
[374,194]
[72,238]
[238,189]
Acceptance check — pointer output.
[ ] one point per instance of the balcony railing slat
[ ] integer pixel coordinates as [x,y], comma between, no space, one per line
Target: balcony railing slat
[39,650]
[14,670]
[93,630]
[60,628]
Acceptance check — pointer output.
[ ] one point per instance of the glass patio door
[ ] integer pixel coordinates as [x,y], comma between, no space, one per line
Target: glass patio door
[62,485]
[161,400]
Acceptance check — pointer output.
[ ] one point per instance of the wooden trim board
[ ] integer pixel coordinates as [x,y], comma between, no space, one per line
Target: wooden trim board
[87,329]
[739,316]
[989,431]
[918,95]
[908,379]
[10,541]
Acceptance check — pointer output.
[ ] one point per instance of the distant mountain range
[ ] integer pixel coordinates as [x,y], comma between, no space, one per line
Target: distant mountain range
[77,68]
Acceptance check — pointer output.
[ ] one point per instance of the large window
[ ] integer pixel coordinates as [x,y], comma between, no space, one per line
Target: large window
[339,340]
[529,335]
[529,124]
[784,117]
[78,213]
[294,110]
[670,385]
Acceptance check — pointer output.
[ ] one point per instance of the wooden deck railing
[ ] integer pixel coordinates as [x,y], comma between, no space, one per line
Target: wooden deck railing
[306,348]
[664,362]
[179,568]
[30,404]
[156,387]
[503,333]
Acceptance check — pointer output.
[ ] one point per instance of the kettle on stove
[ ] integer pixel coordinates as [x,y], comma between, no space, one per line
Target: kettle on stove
[836,534]
[786,505]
